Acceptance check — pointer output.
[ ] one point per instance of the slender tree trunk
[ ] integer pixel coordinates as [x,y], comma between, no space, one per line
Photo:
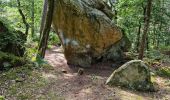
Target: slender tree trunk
[46,28]
[32,18]
[138,38]
[146,27]
[23,18]
[154,34]
[158,42]
[147,42]
[44,15]
[160,24]
[158,35]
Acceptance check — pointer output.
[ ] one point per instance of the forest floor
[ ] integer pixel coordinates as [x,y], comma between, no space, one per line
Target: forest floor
[61,82]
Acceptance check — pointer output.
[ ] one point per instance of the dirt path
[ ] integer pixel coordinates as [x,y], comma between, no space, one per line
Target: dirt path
[90,85]
[51,83]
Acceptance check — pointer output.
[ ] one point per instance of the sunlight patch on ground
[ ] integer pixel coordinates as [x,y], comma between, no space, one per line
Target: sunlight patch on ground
[48,76]
[127,95]
[88,90]
[84,93]
[68,76]
[60,50]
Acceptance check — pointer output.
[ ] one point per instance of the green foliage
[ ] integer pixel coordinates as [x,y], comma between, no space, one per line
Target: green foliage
[164,71]
[8,61]
[9,10]
[40,61]
[53,39]
[165,48]
[130,16]
[154,54]
[31,49]
[31,54]
[11,41]
[2,98]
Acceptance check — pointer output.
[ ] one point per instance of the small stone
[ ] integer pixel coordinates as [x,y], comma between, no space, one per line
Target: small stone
[64,71]
[80,71]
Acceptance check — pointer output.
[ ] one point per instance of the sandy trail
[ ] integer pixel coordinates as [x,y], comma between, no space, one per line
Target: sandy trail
[91,85]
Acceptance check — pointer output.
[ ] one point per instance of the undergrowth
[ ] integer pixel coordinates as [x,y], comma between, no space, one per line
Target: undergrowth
[8,61]
[23,83]
[164,71]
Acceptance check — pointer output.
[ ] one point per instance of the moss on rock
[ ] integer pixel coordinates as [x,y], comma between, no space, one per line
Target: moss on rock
[164,71]
[11,40]
[134,75]
[8,60]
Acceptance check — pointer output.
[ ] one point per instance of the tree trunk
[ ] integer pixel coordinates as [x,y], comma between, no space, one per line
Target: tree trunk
[159,25]
[138,37]
[147,42]
[23,18]
[46,28]
[146,27]
[158,36]
[154,35]
[32,18]
[44,14]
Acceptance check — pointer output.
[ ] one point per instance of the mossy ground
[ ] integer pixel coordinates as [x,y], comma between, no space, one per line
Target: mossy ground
[24,83]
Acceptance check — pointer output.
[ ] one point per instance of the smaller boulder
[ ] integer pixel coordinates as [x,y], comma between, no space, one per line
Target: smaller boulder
[11,40]
[134,74]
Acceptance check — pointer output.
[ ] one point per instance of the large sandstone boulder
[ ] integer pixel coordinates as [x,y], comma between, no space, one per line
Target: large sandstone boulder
[134,75]
[86,31]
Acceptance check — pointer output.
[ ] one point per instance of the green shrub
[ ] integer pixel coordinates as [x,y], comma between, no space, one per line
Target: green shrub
[164,48]
[11,41]
[154,54]
[53,39]
[8,61]
[164,71]
[2,98]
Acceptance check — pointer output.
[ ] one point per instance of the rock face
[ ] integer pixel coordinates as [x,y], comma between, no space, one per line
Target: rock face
[86,31]
[134,75]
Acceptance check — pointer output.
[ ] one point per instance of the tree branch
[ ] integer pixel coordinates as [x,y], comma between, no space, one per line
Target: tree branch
[23,17]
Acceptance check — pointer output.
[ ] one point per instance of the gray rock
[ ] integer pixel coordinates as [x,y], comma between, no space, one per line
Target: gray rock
[134,74]
[86,31]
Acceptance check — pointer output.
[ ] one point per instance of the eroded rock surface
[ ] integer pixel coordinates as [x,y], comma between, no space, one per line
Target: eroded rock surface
[134,75]
[86,31]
